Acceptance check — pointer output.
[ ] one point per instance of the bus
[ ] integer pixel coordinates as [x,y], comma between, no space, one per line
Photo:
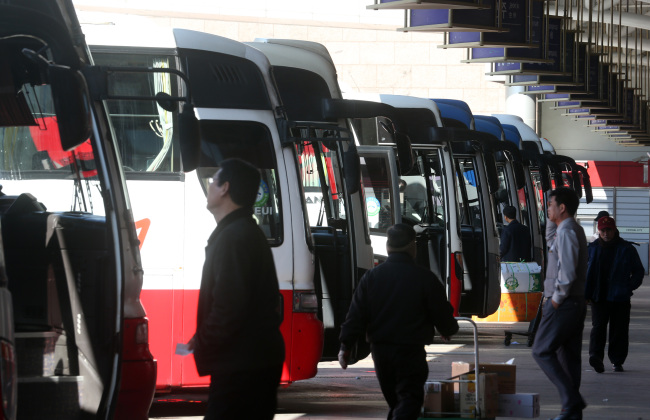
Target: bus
[308,200]
[434,195]
[530,201]
[74,333]
[513,182]
[307,83]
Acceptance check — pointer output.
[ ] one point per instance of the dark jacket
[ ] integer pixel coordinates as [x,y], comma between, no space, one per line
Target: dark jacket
[625,271]
[238,315]
[515,243]
[398,302]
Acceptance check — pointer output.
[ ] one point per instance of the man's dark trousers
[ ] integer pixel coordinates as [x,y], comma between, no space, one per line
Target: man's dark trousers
[244,394]
[617,314]
[558,346]
[402,371]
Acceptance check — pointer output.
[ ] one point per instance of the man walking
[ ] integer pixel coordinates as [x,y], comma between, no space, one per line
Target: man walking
[614,271]
[396,307]
[515,238]
[558,342]
[238,303]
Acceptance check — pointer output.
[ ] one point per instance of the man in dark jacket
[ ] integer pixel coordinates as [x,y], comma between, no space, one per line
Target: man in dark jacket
[515,238]
[238,303]
[614,271]
[396,307]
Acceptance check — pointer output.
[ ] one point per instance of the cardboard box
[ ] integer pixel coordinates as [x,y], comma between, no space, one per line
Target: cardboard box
[515,307]
[488,399]
[518,405]
[507,374]
[438,399]
[521,277]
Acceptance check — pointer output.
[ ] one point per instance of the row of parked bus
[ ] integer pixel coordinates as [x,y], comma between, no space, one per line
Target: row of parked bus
[80,127]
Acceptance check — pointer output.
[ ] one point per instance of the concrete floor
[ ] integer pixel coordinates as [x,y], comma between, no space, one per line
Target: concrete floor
[355,394]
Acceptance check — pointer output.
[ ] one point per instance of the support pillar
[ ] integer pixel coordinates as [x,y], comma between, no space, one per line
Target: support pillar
[521,105]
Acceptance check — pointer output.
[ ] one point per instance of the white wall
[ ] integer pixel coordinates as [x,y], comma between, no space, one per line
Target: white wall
[370,54]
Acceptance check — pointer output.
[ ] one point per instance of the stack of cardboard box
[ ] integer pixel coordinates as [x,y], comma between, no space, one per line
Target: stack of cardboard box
[498,396]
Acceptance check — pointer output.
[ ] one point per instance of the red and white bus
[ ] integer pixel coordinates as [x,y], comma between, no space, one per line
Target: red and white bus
[308,203]
[73,331]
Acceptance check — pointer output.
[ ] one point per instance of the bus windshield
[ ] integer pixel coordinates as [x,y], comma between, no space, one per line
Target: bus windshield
[32,154]
[250,141]
[145,133]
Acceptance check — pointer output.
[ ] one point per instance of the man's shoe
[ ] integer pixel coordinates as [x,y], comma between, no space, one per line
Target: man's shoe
[597,364]
[618,368]
[569,415]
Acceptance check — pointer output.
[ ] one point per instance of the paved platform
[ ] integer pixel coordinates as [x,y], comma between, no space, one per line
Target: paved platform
[355,394]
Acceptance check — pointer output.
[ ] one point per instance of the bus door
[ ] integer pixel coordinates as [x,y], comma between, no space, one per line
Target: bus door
[331,219]
[480,290]
[426,207]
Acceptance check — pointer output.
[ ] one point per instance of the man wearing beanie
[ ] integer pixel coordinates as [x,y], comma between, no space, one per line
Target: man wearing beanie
[515,238]
[614,271]
[600,215]
[396,307]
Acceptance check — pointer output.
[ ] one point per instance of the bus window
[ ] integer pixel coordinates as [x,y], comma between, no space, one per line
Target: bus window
[378,192]
[539,198]
[252,142]
[502,195]
[470,209]
[145,133]
[523,205]
[320,171]
[437,188]
[420,187]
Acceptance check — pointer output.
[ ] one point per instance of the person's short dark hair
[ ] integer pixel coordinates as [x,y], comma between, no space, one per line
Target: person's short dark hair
[510,212]
[602,213]
[568,197]
[400,237]
[244,180]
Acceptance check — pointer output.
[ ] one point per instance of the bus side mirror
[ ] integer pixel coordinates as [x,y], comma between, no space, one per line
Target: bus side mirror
[491,172]
[404,153]
[72,105]
[520,174]
[352,167]
[190,145]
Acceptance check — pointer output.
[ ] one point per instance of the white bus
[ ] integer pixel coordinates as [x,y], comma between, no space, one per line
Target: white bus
[75,343]
[306,204]
[445,195]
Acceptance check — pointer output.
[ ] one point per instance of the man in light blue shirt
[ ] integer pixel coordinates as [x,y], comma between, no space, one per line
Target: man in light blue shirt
[558,342]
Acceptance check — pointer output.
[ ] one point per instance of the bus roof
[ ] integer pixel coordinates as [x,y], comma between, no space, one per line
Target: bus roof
[452,109]
[305,55]
[489,125]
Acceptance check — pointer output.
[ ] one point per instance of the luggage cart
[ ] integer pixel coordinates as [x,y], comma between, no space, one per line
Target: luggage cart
[532,327]
[476,413]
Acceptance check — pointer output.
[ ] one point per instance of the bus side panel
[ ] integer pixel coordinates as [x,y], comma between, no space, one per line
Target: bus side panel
[286,329]
[189,375]
[307,348]
[160,308]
